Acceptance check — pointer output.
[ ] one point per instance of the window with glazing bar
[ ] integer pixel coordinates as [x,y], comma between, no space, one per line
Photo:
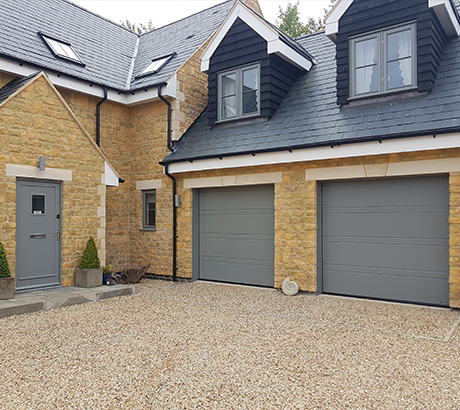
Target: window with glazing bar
[149,209]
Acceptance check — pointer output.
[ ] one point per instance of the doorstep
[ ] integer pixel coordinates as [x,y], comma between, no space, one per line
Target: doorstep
[45,299]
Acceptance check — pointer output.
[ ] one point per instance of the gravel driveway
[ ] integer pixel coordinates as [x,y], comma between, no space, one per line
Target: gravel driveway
[210,346]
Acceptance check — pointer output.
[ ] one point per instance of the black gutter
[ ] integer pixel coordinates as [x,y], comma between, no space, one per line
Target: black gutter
[174,187]
[332,144]
[98,118]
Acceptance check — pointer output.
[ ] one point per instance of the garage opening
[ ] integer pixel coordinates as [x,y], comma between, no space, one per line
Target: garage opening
[234,235]
[387,239]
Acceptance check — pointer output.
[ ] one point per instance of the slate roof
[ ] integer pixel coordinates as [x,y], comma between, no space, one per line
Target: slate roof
[106,48]
[309,116]
[9,89]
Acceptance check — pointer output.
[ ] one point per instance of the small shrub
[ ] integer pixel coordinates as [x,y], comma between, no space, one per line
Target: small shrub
[107,270]
[90,259]
[4,267]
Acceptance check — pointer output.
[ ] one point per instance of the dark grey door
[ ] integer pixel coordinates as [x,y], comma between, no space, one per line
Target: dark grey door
[387,239]
[38,248]
[236,235]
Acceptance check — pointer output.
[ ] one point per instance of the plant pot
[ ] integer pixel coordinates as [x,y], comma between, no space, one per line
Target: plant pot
[6,288]
[107,279]
[88,278]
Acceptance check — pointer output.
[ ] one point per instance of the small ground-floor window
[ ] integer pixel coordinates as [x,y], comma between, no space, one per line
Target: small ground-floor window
[149,209]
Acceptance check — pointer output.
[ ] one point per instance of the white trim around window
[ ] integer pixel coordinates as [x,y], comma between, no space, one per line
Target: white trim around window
[238,93]
[384,61]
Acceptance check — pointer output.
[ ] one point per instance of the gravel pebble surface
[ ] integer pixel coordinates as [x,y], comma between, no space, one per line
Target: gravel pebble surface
[214,346]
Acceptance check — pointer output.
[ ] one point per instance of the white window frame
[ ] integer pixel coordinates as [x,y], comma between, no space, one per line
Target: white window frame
[61,49]
[382,60]
[145,210]
[156,65]
[239,93]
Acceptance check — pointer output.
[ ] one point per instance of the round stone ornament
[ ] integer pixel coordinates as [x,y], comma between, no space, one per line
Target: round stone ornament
[289,287]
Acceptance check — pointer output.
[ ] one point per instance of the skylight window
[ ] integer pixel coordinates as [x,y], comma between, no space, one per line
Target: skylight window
[61,49]
[156,65]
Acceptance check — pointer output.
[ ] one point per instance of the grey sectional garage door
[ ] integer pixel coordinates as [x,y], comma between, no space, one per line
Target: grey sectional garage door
[236,235]
[387,238]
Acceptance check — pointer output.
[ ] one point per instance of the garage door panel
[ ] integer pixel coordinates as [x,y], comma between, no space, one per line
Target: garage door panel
[425,258]
[258,224]
[256,248]
[385,224]
[407,288]
[236,235]
[387,238]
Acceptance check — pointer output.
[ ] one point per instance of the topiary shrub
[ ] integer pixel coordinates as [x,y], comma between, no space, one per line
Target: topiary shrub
[90,259]
[4,267]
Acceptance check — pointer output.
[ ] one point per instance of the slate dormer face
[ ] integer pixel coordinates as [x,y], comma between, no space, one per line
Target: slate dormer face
[244,81]
[386,47]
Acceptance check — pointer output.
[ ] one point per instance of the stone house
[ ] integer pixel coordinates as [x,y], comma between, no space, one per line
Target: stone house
[217,148]
[333,159]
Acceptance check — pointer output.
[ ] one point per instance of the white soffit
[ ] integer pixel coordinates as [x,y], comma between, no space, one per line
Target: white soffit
[61,80]
[415,144]
[446,15]
[274,43]
[442,8]
[111,178]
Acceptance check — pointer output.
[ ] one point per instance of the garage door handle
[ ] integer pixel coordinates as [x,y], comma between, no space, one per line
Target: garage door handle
[38,235]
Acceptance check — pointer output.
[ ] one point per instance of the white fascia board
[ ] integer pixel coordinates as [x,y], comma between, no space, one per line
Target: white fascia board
[275,45]
[111,178]
[392,146]
[446,15]
[61,80]
[332,21]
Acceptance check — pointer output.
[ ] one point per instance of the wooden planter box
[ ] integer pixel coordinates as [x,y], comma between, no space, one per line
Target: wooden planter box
[6,288]
[88,278]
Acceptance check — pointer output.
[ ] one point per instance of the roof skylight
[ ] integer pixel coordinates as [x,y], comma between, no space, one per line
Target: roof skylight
[156,65]
[61,49]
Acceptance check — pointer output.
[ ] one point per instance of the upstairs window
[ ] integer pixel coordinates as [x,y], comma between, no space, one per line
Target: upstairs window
[239,93]
[61,49]
[383,61]
[156,65]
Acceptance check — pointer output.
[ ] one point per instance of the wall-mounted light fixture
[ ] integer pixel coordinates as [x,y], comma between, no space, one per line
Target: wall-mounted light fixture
[41,163]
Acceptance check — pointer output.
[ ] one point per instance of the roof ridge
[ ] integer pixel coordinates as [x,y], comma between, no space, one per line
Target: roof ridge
[184,18]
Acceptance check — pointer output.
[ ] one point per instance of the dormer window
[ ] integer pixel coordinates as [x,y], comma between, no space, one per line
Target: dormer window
[61,49]
[383,61]
[239,93]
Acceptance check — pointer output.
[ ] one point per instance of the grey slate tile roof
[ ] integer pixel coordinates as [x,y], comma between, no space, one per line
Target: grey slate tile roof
[310,117]
[106,48]
[9,89]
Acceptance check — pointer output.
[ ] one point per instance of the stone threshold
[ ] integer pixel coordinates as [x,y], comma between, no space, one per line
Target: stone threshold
[53,298]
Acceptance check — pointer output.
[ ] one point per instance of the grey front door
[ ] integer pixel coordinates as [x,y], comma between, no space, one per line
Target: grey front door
[38,246]
[387,239]
[236,235]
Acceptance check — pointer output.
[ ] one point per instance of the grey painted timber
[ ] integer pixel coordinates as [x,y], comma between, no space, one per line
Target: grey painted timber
[387,239]
[236,235]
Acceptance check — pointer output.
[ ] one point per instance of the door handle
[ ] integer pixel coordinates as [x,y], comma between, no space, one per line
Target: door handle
[58,231]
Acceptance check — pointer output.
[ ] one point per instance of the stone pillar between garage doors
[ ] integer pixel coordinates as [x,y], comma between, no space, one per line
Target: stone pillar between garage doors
[454,240]
[295,229]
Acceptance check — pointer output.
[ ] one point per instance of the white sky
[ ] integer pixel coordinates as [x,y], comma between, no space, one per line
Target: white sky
[166,11]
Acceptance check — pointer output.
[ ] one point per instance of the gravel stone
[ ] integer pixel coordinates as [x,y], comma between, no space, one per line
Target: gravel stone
[214,346]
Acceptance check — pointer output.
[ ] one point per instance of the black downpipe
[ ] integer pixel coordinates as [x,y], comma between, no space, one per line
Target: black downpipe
[174,182]
[170,144]
[174,188]
[98,118]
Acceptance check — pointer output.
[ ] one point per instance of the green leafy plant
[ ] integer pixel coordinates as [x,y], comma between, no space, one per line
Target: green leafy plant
[107,270]
[4,267]
[90,258]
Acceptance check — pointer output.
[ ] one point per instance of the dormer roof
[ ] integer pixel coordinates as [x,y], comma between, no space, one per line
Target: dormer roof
[444,9]
[277,42]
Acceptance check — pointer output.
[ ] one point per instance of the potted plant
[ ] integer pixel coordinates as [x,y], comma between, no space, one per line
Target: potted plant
[6,281]
[107,274]
[89,271]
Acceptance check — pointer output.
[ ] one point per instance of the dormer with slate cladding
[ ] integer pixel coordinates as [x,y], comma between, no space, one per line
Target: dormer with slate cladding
[388,47]
[251,66]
